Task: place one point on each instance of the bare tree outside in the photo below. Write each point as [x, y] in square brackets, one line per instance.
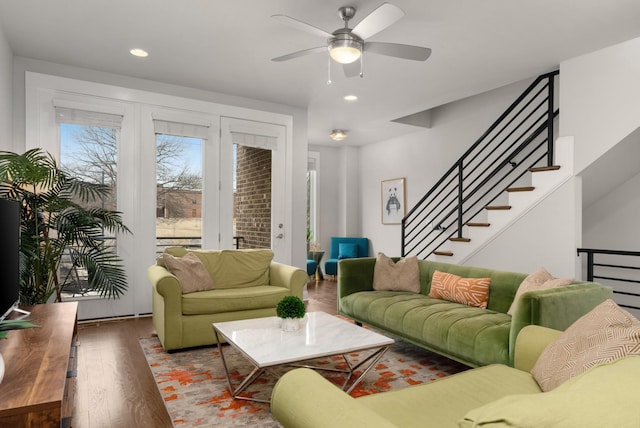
[92, 157]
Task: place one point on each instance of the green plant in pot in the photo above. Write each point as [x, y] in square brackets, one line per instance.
[291, 309]
[60, 218]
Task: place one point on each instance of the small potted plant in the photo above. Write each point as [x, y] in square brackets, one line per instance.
[291, 309]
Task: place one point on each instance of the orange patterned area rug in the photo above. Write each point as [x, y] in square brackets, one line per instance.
[194, 387]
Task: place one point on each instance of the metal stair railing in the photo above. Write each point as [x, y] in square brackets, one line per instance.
[619, 269]
[521, 138]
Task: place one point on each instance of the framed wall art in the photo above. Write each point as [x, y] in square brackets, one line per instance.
[393, 201]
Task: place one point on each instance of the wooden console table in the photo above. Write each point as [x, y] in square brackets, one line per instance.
[36, 360]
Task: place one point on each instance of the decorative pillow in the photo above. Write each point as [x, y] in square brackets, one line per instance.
[347, 251]
[538, 280]
[401, 276]
[190, 271]
[468, 291]
[605, 334]
[603, 397]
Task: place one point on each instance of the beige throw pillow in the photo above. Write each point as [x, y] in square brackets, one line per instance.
[538, 280]
[453, 288]
[190, 271]
[605, 334]
[401, 276]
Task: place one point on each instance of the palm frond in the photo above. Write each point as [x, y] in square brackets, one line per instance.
[54, 224]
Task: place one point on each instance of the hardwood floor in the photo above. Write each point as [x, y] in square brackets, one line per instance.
[115, 387]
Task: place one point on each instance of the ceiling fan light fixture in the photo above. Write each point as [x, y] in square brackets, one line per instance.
[338, 134]
[345, 50]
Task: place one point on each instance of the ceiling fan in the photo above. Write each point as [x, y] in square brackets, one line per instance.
[346, 45]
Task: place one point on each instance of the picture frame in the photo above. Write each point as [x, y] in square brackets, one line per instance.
[392, 200]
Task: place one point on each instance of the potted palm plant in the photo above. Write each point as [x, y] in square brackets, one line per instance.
[57, 220]
[291, 309]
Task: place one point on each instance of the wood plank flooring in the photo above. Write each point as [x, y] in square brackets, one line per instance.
[115, 387]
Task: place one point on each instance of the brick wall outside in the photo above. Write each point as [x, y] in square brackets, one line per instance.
[252, 200]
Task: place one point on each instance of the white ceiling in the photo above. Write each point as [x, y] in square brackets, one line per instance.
[226, 46]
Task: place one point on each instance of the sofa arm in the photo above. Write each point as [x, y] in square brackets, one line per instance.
[165, 283]
[166, 306]
[303, 398]
[287, 276]
[555, 308]
[530, 343]
[355, 275]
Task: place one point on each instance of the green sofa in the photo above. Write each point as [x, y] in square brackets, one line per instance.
[248, 284]
[473, 336]
[491, 396]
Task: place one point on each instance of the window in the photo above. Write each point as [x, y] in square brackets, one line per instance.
[89, 152]
[313, 236]
[179, 149]
[252, 202]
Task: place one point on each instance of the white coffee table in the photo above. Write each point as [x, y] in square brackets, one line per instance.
[265, 345]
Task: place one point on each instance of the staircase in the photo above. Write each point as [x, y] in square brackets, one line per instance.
[519, 200]
[508, 170]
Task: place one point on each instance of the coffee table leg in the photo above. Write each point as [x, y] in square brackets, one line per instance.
[374, 358]
[251, 377]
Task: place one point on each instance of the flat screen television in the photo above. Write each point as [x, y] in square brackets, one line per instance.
[9, 256]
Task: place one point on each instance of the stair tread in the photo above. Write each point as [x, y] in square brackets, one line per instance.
[443, 253]
[476, 224]
[520, 189]
[498, 207]
[544, 168]
[460, 239]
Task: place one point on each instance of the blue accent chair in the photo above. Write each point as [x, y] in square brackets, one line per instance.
[311, 267]
[345, 248]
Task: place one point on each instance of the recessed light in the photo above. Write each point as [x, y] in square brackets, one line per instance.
[338, 134]
[350, 97]
[139, 53]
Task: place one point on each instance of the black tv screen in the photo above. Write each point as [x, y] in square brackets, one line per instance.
[9, 256]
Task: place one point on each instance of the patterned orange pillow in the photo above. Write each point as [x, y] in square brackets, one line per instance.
[468, 291]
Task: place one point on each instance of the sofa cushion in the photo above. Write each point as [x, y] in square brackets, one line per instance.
[441, 403]
[468, 291]
[538, 280]
[233, 268]
[403, 275]
[479, 336]
[605, 396]
[190, 272]
[231, 300]
[347, 251]
[605, 334]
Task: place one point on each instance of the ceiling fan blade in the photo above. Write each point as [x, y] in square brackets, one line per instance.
[352, 69]
[415, 53]
[297, 54]
[303, 26]
[385, 15]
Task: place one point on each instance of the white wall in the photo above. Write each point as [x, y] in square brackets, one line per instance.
[349, 191]
[618, 209]
[6, 94]
[600, 105]
[297, 160]
[600, 99]
[422, 158]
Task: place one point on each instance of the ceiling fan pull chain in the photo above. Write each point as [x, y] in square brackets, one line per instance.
[361, 64]
[328, 70]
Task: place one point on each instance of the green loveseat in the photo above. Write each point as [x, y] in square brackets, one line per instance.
[473, 336]
[248, 284]
[491, 396]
